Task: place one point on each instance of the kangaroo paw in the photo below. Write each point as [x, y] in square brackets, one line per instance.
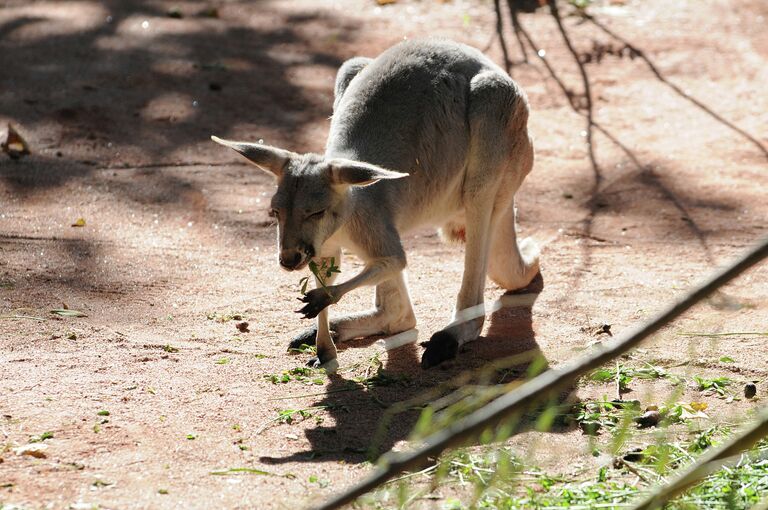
[316, 301]
[441, 347]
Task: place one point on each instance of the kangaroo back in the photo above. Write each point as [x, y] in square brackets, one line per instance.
[408, 111]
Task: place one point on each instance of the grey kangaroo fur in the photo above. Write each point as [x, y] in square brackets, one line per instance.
[429, 133]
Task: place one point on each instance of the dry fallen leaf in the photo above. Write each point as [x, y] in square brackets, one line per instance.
[66, 312]
[13, 144]
[79, 223]
[33, 450]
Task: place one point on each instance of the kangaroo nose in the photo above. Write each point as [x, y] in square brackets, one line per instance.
[289, 260]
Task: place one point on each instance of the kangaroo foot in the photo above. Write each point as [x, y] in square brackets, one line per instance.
[441, 347]
[330, 366]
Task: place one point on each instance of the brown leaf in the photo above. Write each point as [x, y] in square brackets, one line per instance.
[32, 450]
[13, 144]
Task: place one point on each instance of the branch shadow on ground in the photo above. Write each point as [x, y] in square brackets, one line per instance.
[583, 105]
[103, 93]
[232, 74]
[372, 415]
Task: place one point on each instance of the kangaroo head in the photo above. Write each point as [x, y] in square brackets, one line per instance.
[312, 198]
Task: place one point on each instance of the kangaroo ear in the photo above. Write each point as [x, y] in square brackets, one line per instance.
[357, 173]
[267, 158]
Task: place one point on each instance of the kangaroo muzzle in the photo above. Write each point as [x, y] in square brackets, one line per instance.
[295, 258]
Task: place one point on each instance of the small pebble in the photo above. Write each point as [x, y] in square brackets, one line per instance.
[242, 327]
[750, 390]
[635, 455]
[648, 419]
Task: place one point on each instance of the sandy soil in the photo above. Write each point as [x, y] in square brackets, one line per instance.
[117, 101]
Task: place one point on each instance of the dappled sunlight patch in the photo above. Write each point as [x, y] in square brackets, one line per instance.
[147, 25]
[170, 107]
[50, 19]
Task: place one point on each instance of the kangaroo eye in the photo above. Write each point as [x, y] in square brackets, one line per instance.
[316, 215]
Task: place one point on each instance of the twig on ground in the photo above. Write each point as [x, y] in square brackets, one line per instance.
[20, 317]
[715, 335]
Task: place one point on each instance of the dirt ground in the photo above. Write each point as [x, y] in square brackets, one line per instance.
[117, 101]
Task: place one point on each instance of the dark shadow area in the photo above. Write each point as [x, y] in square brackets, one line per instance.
[371, 415]
[75, 262]
[227, 74]
[105, 101]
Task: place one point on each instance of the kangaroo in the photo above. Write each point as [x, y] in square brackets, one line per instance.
[431, 133]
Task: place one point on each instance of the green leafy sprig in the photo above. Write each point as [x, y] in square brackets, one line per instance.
[321, 271]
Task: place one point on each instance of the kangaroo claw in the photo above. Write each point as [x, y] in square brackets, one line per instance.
[316, 301]
[329, 366]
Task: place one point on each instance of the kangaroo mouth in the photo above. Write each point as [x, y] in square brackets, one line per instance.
[305, 255]
[302, 264]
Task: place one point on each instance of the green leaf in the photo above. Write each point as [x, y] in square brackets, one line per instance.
[602, 375]
[42, 437]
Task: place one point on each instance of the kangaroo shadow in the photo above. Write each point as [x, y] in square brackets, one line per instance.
[370, 415]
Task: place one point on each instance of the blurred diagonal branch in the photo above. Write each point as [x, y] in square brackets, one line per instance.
[707, 464]
[546, 385]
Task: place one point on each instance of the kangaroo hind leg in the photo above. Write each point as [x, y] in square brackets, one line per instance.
[492, 105]
[512, 264]
[392, 313]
